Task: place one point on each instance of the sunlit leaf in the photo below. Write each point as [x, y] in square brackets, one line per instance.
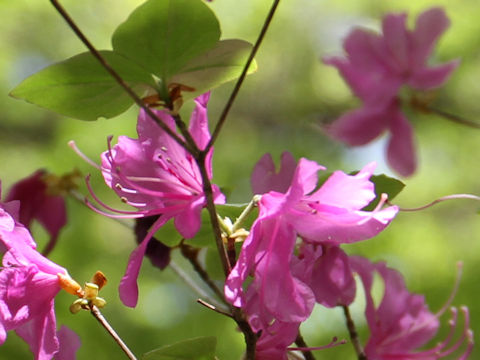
[201, 348]
[80, 87]
[164, 35]
[221, 64]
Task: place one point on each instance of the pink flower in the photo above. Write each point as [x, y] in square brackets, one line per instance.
[331, 215]
[402, 323]
[29, 283]
[159, 177]
[37, 203]
[376, 67]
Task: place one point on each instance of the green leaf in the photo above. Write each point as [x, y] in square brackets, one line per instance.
[80, 87]
[219, 65]
[384, 184]
[164, 35]
[201, 348]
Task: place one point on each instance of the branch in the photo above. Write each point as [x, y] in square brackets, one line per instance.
[353, 334]
[101, 319]
[302, 344]
[240, 80]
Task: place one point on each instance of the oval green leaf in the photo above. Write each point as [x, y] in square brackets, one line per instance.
[81, 88]
[164, 35]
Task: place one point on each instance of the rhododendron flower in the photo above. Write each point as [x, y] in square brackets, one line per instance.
[402, 322]
[159, 177]
[38, 203]
[331, 215]
[376, 67]
[29, 283]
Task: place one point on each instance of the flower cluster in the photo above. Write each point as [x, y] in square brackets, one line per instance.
[294, 258]
[29, 283]
[285, 286]
[376, 68]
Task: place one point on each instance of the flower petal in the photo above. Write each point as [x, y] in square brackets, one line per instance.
[69, 344]
[265, 178]
[401, 150]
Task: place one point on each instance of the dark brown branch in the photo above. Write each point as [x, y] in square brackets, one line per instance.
[353, 334]
[452, 117]
[240, 80]
[307, 354]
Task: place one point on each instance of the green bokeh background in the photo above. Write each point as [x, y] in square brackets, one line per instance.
[280, 108]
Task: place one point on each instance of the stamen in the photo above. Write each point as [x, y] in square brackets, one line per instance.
[72, 144]
[101, 203]
[439, 200]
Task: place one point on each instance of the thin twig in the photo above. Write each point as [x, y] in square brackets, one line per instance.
[452, 117]
[115, 75]
[353, 334]
[214, 308]
[191, 255]
[240, 80]
[300, 341]
[101, 319]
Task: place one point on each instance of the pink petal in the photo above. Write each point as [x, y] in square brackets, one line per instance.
[338, 226]
[427, 78]
[401, 150]
[347, 191]
[69, 344]
[199, 121]
[265, 178]
[41, 334]
[396, 39]
[429, 26]
[367, 69]
[359, 127]
[304, 180]
[188, 221]
[128, 288]
[332, 279]
[286, 298]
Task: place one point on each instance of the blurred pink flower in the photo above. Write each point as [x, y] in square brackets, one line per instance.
[376, 67]
[29, 283]
[37, 203]
[331, 215]
[402, 323]
[159, 177]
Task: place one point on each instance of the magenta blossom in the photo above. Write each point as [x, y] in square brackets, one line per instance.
[331, 215]
[159, 177]
[38, 203]
[376, 67]
[29, 283]
[402, 322]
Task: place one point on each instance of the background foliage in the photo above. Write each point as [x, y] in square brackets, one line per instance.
[280, 108]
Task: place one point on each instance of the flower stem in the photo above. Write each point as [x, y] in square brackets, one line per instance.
[353, 334]
[250, 207]
[240, 80]
[101, 319]
[115, 75]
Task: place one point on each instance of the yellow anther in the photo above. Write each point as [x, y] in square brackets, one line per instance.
[99, 302]
[78, 305]
[91, 291]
